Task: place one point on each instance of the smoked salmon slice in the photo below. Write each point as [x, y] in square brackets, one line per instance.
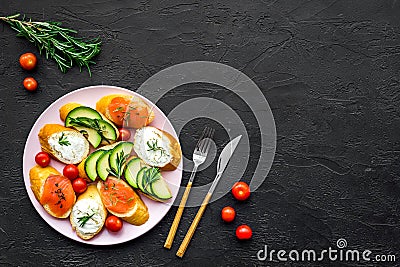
[122, 201]
[58, 196]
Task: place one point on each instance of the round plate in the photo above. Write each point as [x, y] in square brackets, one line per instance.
[88, 96]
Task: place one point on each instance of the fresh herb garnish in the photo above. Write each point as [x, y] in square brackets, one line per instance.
[153, 146]
[63, 141]
[57, 42]
[90, 123]
[151, 175]
[84, 219]
[121, 159]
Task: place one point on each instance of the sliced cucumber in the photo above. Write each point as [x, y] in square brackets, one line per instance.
[139, 179]
[160, 190]
[131, 171]
[121, 151]
[90, 164]
[83, 112]
[103, 165]
[108, 130]
[91, 135]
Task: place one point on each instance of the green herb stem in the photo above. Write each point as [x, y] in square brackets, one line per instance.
[57, 42]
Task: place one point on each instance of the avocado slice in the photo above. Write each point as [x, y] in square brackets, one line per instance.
[118, 157]
[83, 112]
[160, 190]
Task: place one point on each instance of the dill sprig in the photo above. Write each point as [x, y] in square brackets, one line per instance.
[85, 218]
[57, 42]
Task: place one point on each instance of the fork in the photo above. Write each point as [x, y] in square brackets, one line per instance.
[199, 156]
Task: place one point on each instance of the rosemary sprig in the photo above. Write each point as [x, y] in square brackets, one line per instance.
[153, 146]
[63, 141]
[83, 220]
[57, 42]
[151, 175]
[121, 159]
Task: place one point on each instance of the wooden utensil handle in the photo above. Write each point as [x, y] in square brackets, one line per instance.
[193, 227]
[178, 215]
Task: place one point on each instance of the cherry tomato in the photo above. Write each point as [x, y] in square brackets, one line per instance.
[124, 134]
[28, 61]
[243, 232]
[228, 214]
[42, 159]
[71, 171]
[79, 185]
[30, 84]
[241, 191]
[113, 223]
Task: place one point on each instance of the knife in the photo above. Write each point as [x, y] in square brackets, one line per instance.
[223, 160]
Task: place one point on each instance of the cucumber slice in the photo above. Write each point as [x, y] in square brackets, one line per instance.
[108, 130]
[131, 171]
[103, 165]
[160, 190]
[139, 179]
[90, 164]
[123, 149]
[91, 135]
[81, 111]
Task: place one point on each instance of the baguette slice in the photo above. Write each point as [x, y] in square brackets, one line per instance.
[122, 201]
[53, 191]
[63, 144]
[88, 204]
[157, 148]
[133, 103]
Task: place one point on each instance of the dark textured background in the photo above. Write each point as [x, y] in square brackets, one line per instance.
[330, 71]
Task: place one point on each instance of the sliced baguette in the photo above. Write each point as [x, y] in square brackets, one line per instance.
[161, 140]
[74, 149]
[102, 106]
[44, 182]
[136, 214]
[87, 203]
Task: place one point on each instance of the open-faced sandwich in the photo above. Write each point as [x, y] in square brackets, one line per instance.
[157, 148]
[125, 110]
[88, 214]
[64, 144]
[53, 191]
[122, 201]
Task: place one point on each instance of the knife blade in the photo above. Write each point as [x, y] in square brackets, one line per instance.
[223, 160]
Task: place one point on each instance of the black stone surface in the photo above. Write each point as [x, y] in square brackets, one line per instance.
[330, 72]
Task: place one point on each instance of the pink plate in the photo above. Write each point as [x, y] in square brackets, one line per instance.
[88, 96]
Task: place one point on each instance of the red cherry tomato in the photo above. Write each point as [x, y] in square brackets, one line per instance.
[243, 232]
[241, 191]
[124, 134]
[71, 171]
[28, 61]
[30, 84]
[42, 159]
[113, 223]
[228, 214]
[79, 185]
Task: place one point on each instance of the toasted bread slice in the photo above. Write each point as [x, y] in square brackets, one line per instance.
[53, 191]
[122, 201]
[64, 144]
[103, 104]
[64, 110]
[88, 214]
[38, 176]
[157, 148]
